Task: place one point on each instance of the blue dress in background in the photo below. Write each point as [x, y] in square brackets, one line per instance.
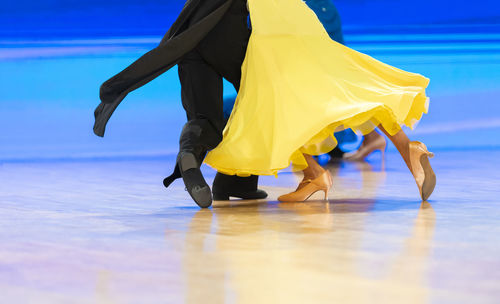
[329, 16]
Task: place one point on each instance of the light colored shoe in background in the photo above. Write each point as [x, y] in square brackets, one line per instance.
[371, 143]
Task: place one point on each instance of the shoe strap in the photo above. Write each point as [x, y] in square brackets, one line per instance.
[307, 181]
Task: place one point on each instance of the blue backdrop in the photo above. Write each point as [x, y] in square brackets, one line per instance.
[46, 114]
[151, 17]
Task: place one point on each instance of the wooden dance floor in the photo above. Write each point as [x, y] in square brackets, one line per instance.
[103, 231]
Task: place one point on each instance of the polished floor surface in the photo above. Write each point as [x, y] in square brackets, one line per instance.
[107, 232]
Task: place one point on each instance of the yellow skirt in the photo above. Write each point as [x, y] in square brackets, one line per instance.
[298, 86]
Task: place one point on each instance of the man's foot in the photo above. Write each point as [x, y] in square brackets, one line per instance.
[226, 186]
[196, 185]
[336, 153]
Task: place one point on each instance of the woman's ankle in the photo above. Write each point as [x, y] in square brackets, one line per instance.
[313, 170]
[311, 174]
[316, 172]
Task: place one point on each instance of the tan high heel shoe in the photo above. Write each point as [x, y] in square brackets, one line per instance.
[378, 144]
[421, 169]
[307, 188]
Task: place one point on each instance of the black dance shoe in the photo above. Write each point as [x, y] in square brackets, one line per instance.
[196, 185]
[226, 186]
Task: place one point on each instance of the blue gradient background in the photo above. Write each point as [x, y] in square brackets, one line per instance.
[55, 54]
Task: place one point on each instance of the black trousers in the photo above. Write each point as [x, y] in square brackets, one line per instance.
[219, 55]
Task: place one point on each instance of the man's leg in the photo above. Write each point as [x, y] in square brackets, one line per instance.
[226, 186]
[223, 50]
[202, 100]
[229, 65]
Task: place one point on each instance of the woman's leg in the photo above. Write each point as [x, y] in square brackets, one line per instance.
[316, 179]
[371, 137]
[416, 157]
[313, 170]
[402, 143]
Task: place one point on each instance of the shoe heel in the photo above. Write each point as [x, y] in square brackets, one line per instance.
[187, 161]
[311, 191]
[423, 149]
[316, 196]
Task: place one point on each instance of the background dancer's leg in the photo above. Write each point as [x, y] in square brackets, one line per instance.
[372, 142]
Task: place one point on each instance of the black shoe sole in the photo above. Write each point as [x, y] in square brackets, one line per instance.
[258, 194]
[195, 184]
[430, 178]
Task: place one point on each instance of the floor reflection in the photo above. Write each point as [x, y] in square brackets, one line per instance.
[105, 236]
[309, 252]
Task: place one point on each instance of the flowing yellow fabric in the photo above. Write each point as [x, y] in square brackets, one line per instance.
[299, 86]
